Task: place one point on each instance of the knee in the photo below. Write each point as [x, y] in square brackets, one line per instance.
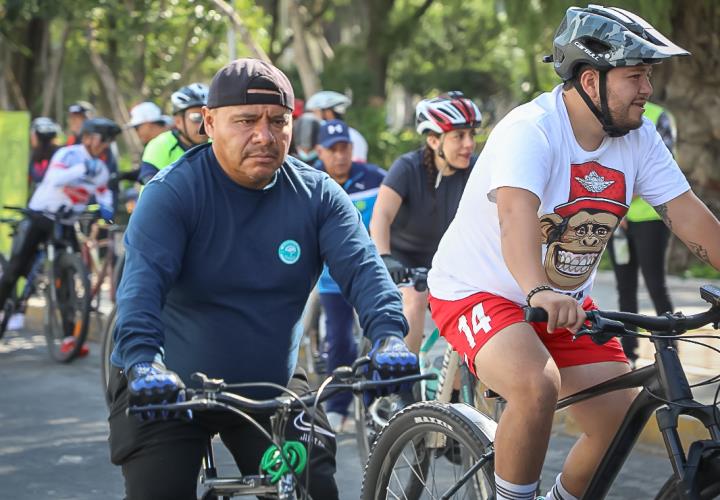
[536, 392]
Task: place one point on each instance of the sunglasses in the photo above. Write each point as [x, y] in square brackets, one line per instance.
[195, 117]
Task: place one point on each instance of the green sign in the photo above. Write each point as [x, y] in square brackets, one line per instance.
[15, 147]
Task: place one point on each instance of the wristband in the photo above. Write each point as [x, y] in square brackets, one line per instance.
[537, 289]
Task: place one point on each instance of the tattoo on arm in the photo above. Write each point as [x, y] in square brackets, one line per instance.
[662, 210]
[699, 251]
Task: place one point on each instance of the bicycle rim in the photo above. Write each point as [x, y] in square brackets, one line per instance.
[67, 311]
[425, 452]
[9, 307]
[107, 347]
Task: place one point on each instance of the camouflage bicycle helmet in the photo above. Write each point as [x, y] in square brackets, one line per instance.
[445, 113]
[190, 96]
[626, 40]
[606, 38]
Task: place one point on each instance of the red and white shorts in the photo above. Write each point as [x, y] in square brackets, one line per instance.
[467, 324]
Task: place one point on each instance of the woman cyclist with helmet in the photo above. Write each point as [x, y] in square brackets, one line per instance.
[43, 137]
[420, 195]
[169, 146]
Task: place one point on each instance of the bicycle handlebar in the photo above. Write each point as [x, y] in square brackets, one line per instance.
[613, 321]
[415, 277]
[211, 396]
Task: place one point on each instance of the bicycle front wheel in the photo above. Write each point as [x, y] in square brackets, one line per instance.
[67, 311]
[428, 450]
[107, 347]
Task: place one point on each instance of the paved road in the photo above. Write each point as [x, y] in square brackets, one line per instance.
[53, 432]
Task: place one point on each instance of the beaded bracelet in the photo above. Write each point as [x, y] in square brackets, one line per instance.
[537, 289]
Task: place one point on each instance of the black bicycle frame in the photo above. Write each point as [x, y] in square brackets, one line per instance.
[663, 379]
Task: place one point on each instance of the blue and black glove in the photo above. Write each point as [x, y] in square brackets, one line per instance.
[153, 383]
[107, 214]
[390, 358]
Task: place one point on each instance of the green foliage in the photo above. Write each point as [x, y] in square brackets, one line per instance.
[702, 271]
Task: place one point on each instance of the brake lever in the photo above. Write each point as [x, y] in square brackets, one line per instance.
[208, 384]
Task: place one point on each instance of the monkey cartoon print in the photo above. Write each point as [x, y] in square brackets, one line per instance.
[577, 232]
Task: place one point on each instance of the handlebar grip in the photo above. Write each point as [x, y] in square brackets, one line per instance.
[535, 315]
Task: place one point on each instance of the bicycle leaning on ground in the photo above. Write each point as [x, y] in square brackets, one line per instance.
[280, 471]
[410, 457]
[59, 273]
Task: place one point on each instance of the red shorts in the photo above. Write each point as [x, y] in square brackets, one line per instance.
[467, 324]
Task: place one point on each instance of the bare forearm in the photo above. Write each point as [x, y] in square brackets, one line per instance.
[692, 222]
[380, 233]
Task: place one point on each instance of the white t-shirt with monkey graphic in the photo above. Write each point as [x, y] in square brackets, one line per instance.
[584, 195]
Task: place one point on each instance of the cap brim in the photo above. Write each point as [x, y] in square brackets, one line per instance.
[331, 142]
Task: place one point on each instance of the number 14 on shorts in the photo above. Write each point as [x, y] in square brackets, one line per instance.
[479, 321]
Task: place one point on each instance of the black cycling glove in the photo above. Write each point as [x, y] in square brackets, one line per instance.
[152, 383]
[395, 268]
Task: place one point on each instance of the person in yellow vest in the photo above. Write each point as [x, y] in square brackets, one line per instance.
[641, 242]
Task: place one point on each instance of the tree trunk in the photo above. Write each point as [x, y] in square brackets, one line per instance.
[691, 94]
[53, 77]
[308, 75]
[117, 103]
[378, 44]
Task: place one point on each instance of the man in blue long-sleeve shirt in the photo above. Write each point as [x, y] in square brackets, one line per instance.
[222, 251]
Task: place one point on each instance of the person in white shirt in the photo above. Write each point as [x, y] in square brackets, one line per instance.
[74, 176]
[552, 183]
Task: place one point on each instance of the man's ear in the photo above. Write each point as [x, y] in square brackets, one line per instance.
[590, 81]
[548, 225]
[208, 121]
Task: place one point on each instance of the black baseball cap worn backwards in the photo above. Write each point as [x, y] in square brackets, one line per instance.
[249, 81]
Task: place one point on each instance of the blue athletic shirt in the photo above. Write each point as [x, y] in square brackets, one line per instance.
[362, 187]
[216, 274]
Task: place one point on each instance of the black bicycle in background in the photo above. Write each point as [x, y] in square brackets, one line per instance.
[280, 471]
[60, 275]
[410, 458]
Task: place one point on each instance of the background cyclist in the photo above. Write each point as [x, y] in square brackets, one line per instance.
[76, 173]
[187, 103]
[361, 182]
[43, 145]
[218, 282]
[552, 183]
[331, 105]
[420, 195]
[148, 121]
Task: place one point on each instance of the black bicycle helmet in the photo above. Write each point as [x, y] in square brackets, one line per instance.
[606, 38]
[107, 128]
[190, 96]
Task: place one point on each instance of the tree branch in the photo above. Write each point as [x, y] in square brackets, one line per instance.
[228, 10]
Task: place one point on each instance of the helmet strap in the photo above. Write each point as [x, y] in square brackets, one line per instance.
[441, 154]
[602, 114]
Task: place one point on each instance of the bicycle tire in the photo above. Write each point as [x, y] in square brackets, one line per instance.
[415, 426]
[68, 313]
[108, 344]
[669, 490]
[9, 306]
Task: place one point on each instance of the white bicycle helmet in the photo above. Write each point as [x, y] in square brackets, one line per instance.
[328, 99]
[43, 125]
[447, 112]
[190, 96]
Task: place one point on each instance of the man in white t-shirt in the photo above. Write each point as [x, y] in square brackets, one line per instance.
[553, 181]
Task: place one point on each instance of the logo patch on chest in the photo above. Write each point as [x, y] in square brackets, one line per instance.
[289, 251]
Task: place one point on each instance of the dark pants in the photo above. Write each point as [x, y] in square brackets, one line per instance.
[341, 346]
[31, 232]
[161, 459]
[648, 242]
